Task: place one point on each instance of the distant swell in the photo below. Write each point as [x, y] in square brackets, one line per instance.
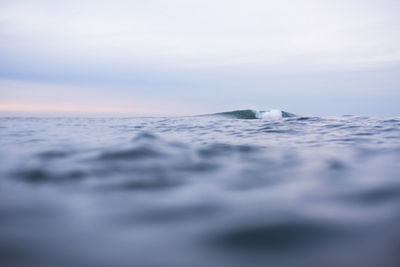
[249, 114]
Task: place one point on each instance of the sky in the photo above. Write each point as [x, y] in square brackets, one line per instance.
[177, 57]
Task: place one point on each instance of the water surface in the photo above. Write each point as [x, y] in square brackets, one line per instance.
[218, 190]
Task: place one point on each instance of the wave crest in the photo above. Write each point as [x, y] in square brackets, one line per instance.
[249, 114]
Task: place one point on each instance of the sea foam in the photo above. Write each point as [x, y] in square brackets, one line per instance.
[273, 114]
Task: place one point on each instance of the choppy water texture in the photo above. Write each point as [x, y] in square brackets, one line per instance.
[200, 191]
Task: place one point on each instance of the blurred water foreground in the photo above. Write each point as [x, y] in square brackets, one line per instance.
[218, 190]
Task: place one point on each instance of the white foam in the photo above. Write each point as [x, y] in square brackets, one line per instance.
[273, 114]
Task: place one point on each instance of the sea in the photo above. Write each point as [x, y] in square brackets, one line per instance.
[242, 188]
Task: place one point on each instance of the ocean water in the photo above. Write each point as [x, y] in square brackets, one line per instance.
[240, 188]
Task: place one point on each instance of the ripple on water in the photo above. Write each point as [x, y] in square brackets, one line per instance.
[281, 236]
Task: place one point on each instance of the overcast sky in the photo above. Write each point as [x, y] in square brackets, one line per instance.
[322, 57]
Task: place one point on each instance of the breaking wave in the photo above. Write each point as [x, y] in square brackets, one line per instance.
[249, 114]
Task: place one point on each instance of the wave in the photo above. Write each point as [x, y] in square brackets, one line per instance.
[249, 114]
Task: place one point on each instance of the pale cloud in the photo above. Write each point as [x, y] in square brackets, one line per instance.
[204, 33]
